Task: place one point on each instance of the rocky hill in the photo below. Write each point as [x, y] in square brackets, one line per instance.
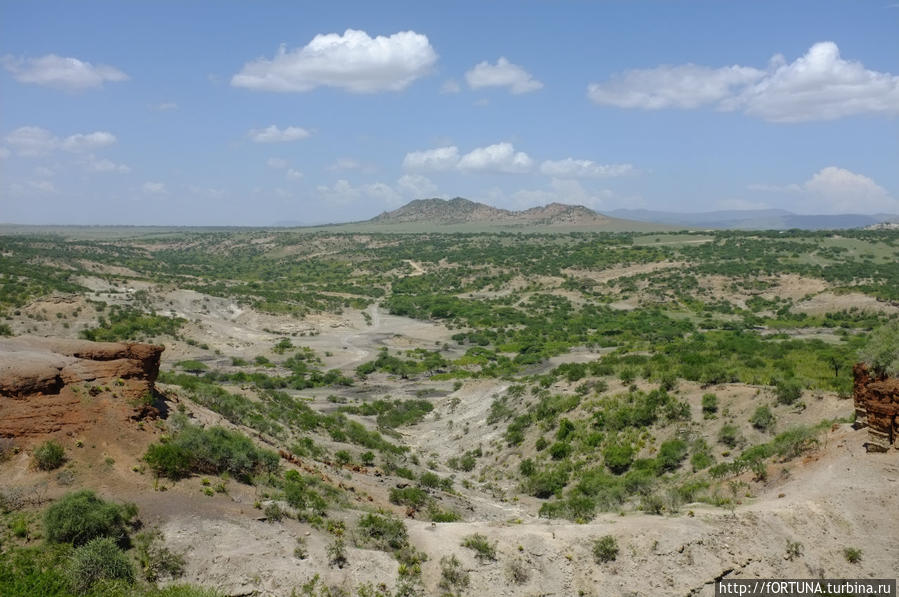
[463, 211]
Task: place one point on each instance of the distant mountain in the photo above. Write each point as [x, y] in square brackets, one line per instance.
[756, 219]
[463, 211]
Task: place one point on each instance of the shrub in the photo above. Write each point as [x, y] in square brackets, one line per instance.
[618, 457]
[729, 435]
[82, 516]
[337, 553]
[788, 391]
[453, 577]
[429, 479]
[547, 482]
[481, 546]
[155, 559]
[211, 451]
[853, 555]
[383, 532]
[671, 454]
[518, 572]
[605, 549]
[762, 419]
[709, 405]
[526, 467]
[343, 457]
[49, 455]
[273, 513]
[408, 496]
[99, 560]
[794, 549]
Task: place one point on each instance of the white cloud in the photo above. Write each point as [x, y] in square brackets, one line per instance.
[60, 72]
[682, 86]
[500, 157]
[341, 192]
[293, 174]
[417, 186]
[164, 107]
[819, 85]
[572, 168]
[839, 190]
[502, 74]
[383, 192]
[154, 188]
[450, 86]
[567, 191]
[273, 134]
[836, 190]
[33, 141]
[105, 165]
[353, 61]
[277, 163]
[86, 142]
[439, 159]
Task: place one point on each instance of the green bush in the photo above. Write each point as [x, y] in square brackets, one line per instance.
[408, 496]
[49, 456]
[82, 516]
[605, 549]
[618, 457]
[671, 454]
[729, 435]
[709, 405]
[788, 391]
[213, 450]
[99, 560]
[762, 419]
[383, 532]
[481, 546]
[454, 578]
[853, 555]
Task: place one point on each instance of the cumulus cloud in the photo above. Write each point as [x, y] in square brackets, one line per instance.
[439, 159]
[293, 174]
[277, 163]
[837, 190]
[500, 157]
[154, 188]
[354, 62]
[572, 168]
[273, 134]
[69, 74]
[417, 186]
[820, 85]
[502, 74]
[558, 190]
[31, 141]
[682, 86]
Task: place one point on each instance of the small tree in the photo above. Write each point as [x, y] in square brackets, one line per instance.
[605, 549]
[49, 455]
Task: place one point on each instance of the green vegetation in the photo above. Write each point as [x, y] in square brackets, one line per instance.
[882, 351]
[49, 455]
[605, 549]
[99, 560]
[194, 450]
[79, 517]
[853, 555]
[483, 549]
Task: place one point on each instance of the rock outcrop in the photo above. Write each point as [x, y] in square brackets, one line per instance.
[877, 408]
[55, 384]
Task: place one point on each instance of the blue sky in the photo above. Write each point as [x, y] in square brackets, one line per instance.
[188, 113]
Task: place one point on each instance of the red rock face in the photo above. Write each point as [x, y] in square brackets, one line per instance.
[53, 384]
[877, 408]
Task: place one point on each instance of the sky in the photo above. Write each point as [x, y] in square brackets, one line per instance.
[259, 113]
